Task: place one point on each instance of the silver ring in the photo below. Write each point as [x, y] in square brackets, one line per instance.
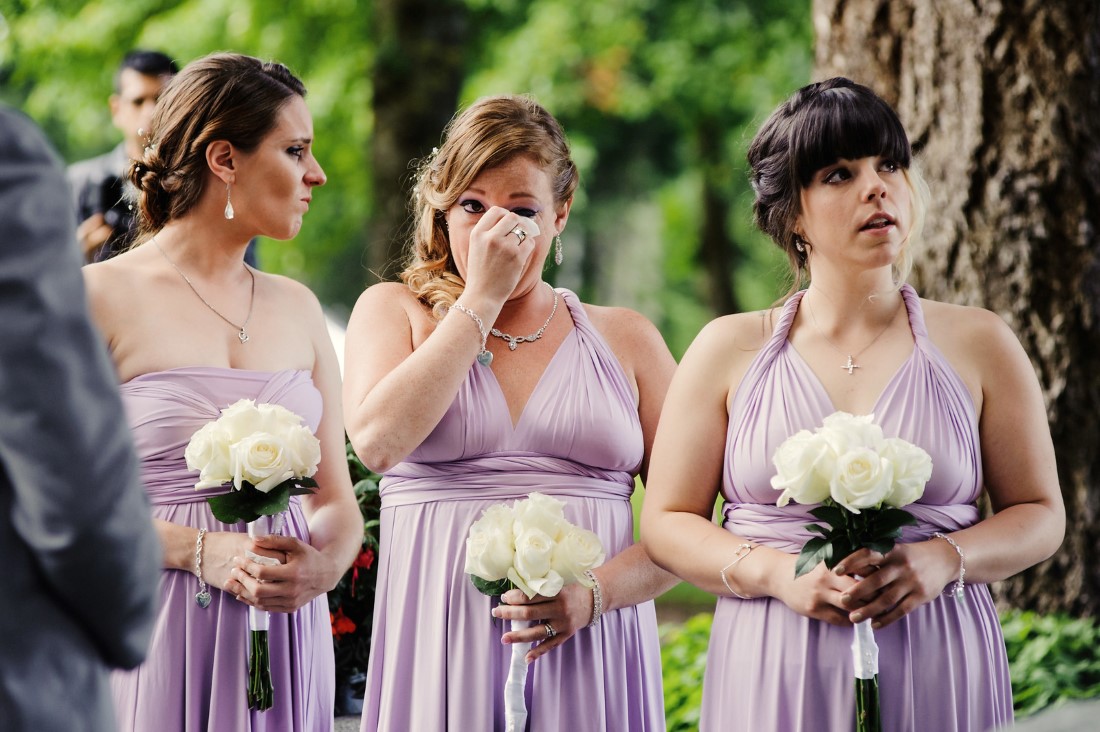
[550, 632]
[520, 234]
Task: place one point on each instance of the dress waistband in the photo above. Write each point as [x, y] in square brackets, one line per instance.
[500, 478]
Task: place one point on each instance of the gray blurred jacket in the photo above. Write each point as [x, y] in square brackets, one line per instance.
[79, 557]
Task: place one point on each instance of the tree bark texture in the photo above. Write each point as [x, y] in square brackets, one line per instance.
[1002, 100]
[417, 76]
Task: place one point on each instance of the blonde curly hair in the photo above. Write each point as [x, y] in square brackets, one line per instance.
[490, 132]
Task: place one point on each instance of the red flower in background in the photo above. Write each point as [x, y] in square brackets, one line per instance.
[364, 561]
[341, 624]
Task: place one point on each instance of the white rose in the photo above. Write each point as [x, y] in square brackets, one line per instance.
[277, 419]
[489, 547]
[208, 453]
[539, 511]
[304, 449]
[847, 431]
[579, 549]
[262, 460]
[241, 419]
[912, 469]
[803, 463]
[862, 479]
[531, 571]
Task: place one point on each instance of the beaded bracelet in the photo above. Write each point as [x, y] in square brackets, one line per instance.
[597, 598]
[958, 590]
[743, 551]
[202, 597]
[484, 356]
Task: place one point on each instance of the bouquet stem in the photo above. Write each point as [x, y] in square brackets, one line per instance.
[515, 707]
[865, 658]
[261, 693]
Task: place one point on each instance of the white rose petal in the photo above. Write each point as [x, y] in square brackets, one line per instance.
[863, 479]
[846, 432]
[240, 419]
[208, 452]
[489, 547]
[539, 511]
[578, 550]
[262, 460]
[304, 449]
[804, 464]
[532, 572]
[912, 469]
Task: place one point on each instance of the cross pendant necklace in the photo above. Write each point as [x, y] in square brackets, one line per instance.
[851, 364]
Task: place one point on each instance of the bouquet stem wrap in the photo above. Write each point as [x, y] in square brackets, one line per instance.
[515, 707]
[261, 694]
[865, 658]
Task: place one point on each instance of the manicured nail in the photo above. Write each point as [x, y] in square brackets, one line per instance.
[839, 569]
[876, 625]
[845, 599]
[857, 617]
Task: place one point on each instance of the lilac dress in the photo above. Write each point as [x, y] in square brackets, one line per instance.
[437, 662]
[943, 666]
[196, 675]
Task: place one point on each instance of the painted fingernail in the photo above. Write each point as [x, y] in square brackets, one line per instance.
[496, 612]
[876, 625]
[839, 569]
[845, 599]
[857, 617]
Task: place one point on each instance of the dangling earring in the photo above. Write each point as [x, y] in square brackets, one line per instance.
[558, 257]
[799, 244]
[229, 213]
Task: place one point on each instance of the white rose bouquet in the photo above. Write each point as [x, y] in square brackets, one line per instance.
[268, 455]
[862, 479]
[531, 546]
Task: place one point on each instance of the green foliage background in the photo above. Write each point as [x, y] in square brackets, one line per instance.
[659, 100]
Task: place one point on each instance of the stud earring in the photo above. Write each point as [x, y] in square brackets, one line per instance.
[229, 212]
[558, 256]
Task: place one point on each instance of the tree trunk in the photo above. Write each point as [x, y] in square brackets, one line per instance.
[1004, 104]
[417, 76]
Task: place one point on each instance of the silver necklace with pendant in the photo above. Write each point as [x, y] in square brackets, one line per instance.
[242, 334]
[851, 364]
[514, 341]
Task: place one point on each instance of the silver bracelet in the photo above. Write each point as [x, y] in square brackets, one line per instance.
[484, 356]
[597, 598]
[743, 551]
[202, 597]
[959, 588]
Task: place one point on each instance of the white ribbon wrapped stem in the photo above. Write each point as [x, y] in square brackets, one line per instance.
[263, 526]
[515, 707]
[864, 651]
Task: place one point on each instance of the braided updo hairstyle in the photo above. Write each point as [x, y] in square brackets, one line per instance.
[223, 96]
[819, 124]
[487, 134]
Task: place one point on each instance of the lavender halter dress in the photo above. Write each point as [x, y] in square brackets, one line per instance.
[437, 662]
[942, 667]
[196, 675]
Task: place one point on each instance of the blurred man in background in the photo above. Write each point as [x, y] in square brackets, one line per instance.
[104, 197]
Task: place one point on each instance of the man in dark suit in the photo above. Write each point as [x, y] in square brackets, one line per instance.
[79, 558]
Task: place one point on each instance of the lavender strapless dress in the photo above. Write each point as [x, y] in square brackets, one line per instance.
[942, 667]
[437, 662]
[196, 675]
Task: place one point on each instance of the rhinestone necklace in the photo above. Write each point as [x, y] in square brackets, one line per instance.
[851, 365]
[514, 341]
[242, 335]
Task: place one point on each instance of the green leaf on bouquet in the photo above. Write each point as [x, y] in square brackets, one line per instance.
[819, 529]
[303, 486]
[494, 588]
[232, 507]
[831, 515]
[813, 553]
[880, 545]
[888, 522]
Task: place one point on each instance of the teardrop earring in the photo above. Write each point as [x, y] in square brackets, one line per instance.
[558, 256]
[229, 212]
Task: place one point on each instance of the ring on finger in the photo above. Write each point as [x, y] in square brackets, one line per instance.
[520, 234]
[550, 632]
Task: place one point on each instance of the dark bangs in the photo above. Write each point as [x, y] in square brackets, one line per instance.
[842, 121]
